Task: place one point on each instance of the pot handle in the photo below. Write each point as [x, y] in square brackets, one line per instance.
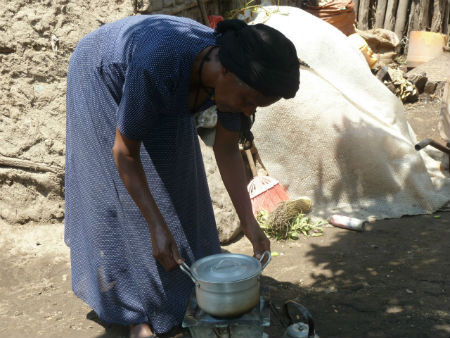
[269, 257]
[185, 268]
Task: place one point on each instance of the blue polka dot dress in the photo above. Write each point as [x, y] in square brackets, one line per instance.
[134, 74]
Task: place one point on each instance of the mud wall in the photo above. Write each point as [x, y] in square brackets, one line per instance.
[36, 41]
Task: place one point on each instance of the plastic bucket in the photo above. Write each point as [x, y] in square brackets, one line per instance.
[424, 46]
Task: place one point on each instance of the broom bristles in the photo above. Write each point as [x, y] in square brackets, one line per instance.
[285, 212]
[269, 198]
[260, 184]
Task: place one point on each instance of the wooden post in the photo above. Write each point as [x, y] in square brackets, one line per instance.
[355, 8]
[424, 11]
[389, 21]
[438, 15]
[363, 17]
[201, 6]
[400, 22]
[445, 24]
[380, 13]
[29, 165]
[414, 22]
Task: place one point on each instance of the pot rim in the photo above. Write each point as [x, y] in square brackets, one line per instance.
[247, 264]
[248, 261]
[227, 282]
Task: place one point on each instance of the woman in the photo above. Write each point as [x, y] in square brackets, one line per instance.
[137, 200]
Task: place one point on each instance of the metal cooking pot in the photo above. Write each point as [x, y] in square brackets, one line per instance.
[227, 285]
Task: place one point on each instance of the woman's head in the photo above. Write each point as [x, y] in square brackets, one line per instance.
[234, 96]
[260, 65]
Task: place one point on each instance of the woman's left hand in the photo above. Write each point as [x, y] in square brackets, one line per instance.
[257, 237]
[231, 167]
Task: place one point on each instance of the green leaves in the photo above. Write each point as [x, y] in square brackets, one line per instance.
[299, 226]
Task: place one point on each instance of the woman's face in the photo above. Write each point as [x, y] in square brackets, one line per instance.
[234, 96]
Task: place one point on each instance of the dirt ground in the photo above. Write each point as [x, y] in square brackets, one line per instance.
[393, 280]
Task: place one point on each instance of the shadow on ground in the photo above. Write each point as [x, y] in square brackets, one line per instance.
[390, 281]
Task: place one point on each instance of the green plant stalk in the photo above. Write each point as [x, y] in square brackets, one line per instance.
[299, 225]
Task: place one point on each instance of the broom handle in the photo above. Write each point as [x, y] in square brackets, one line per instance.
[202, 8]
[251, 162]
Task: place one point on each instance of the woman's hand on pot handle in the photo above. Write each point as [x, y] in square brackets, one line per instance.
[258, 238]
[165, 249]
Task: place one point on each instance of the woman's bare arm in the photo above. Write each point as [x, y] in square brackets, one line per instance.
[126, 153]
[231, 167]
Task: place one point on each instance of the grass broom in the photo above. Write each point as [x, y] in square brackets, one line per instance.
[265, 192]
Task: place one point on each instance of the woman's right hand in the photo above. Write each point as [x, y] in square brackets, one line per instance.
[126, 154]
[165, 249]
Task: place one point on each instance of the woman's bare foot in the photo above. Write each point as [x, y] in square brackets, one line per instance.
[140, 331]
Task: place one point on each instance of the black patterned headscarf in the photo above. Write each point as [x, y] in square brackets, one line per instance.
[260, 56]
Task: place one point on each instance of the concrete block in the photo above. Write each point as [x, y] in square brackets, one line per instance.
[383, 74]
[430, 87]
[439, 91]
[419, 80]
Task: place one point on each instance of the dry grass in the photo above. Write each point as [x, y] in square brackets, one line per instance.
[288, 221]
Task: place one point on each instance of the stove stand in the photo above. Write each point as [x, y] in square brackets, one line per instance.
[249, 325]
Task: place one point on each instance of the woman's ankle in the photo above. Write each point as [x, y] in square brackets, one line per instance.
[140, 331]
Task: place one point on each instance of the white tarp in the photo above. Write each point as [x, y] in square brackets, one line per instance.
[343, 140]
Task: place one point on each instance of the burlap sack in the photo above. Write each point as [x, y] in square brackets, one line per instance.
[338, 13]
[344, 140]
[384, 43]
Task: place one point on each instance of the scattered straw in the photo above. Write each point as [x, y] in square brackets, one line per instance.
[246, 13]
[288, 221]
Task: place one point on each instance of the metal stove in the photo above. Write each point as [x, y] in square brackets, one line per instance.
[249, 325]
